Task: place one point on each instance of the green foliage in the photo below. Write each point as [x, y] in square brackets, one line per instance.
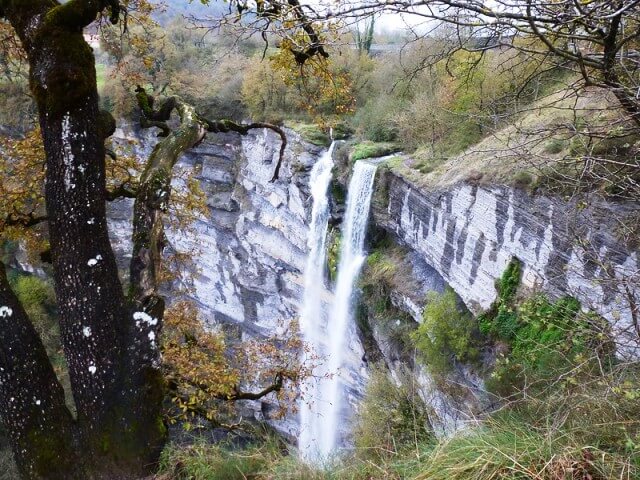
[544, 338]
[386, 272]
[501, 317]
[333, 254]
[426, 160]
[203, 461]
[446, 333]
[380, 272]
[374, 119]
[509, 282]
[392, 419]
[522, 179]
[371, 150]
[341, 130]
[172, 59]
[338, 192]
[101, 72]
[365, 38]
[555, 145]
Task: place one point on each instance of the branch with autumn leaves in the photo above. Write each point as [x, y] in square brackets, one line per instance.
[203, 372]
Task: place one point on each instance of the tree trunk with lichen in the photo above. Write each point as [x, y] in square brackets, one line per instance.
[153, 197]
[109, 345]
[110, 341]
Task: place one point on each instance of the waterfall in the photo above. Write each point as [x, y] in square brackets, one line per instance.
[312, 318]
[323, 393]
[351, 258]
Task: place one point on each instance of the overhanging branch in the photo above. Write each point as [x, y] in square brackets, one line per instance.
[151, 117]
[121, 191]
[243, 129]
[275, 386]
[238, 394]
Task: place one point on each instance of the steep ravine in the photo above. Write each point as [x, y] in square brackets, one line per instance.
[251, 249]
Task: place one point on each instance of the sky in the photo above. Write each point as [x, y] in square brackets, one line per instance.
[386, 22]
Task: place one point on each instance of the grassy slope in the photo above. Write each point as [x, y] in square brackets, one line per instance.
[536, 140]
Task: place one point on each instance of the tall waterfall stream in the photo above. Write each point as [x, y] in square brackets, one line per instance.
[325, 327]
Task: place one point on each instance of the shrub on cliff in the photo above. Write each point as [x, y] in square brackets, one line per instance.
[543, 339]
[446, 334]
[392, 418]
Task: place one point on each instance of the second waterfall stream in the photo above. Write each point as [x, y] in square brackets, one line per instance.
[325, 320]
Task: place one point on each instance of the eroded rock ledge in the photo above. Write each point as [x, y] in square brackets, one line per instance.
[469, 233]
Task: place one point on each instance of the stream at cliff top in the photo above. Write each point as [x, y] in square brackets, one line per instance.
[323, 392]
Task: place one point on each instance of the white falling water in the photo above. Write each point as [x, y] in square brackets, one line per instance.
[319, 437]
[312, 318]
[351, 258]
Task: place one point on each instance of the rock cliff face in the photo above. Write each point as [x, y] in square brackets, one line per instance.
[250, 252]
[470, 233]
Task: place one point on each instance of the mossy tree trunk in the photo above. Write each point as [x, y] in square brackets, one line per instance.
[154, 189]
[110, 341]
[110, 347]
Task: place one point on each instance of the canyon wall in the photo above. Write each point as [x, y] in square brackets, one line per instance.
[249, 255]
[469, 233]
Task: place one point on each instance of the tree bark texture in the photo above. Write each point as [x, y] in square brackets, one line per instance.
[111, 348]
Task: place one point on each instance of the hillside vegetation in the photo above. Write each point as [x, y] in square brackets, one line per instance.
[563, 404]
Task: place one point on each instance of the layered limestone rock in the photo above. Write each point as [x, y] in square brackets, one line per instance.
[247, 255]
[469, 233]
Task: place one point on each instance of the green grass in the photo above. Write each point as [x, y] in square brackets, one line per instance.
[311, 133]
[372, 150]
[508, 447]
[203, 461]
[394, 161]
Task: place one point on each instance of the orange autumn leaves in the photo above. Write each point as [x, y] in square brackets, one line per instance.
[205, 373]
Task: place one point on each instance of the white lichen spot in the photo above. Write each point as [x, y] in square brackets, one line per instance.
[94, 261]
[91, 221]
[92, 369]
[38, 402]
[152, 336]
[86, 331]
[5, 311]
[144, 317]
[67, 152]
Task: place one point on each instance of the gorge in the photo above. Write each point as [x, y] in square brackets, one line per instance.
[264, 263]
[255, 247]
[273, 240]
